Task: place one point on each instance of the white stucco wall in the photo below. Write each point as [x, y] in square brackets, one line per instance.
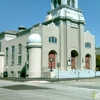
[88, 37]
[1, 63]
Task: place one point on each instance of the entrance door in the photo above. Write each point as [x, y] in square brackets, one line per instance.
[74, 55]
[52, 59]
[87, 61]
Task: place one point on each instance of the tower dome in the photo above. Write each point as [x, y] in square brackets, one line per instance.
[34, 38]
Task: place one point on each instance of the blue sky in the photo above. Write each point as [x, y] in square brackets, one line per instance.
[15, 13]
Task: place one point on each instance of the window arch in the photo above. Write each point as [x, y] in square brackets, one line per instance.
[52, 39]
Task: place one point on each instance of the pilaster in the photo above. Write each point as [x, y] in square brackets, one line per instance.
[62, 45]
[81, 47]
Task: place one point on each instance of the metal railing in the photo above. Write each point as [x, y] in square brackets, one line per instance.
[76, 70]
[94, 72]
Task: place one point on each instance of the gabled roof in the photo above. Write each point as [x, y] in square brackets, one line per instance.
[12, 32]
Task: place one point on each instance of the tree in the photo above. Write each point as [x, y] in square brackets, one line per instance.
[97, 62]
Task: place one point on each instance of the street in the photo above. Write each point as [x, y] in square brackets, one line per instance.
[45, 90]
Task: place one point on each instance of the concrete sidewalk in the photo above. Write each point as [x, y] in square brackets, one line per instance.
[15, 79]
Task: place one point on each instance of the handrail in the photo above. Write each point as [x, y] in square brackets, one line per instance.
[77, 71]
[94, 72]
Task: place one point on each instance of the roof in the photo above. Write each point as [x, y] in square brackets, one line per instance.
[9, 32]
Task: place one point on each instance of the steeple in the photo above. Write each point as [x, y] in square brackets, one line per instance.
[65, 10]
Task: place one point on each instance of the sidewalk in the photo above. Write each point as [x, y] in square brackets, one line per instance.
[15, 79]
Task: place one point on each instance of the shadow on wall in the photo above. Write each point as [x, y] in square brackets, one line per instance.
[23, 71]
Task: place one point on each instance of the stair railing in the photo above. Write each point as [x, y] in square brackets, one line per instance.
[94, 72]
[76, 70]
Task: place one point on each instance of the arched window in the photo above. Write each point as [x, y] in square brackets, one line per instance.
[68, 2]
[59, 2]
[13, 54]
[73, 3]
[20, 54]
[0, 46]
[52, 39]
[55, 3]
[7, 56]
[87, 45]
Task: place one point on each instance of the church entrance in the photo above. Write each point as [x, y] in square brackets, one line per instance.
[52, 59]
[74, 55]
[87, 61]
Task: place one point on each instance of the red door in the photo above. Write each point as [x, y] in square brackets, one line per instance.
[73, 62]
[87, 62]
[51, 63]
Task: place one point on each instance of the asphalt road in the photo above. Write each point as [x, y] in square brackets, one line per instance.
[82, 89]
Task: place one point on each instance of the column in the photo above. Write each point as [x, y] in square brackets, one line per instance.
[1, 64]
[76, 4]
[68, 47]
[34, 70]
[81, 47]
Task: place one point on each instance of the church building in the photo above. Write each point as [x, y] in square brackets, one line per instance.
[59, 42]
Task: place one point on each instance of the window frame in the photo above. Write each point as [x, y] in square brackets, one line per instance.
[19, 54]
[13, 55]
[87, 45]
[7, 52]
[52, 39]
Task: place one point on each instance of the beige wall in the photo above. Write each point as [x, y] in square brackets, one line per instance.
[48, 31]
[88, 37]
[1, 63]
[69, 37]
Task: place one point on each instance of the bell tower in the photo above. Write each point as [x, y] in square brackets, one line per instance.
[57, 3]
[70, 21]
[65, 10]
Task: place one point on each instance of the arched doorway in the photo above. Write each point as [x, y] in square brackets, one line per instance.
[74, 55]
[52, 59]
[87, 61]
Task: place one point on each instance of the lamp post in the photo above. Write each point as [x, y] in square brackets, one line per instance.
[58, 65]
[82, 60]
[51, 59]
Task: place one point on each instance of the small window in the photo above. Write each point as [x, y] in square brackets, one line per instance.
[19, 73]
[49, 39]
[12, 73]
[88, 45]
[13, 55]
[68, 2]
[20, 48]
[52, 39]
[27, 56]
[73, 3]
[20, 54]
[55, 40]
[19, 60]
[59, 2]
[55, 3]
[7, 56]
